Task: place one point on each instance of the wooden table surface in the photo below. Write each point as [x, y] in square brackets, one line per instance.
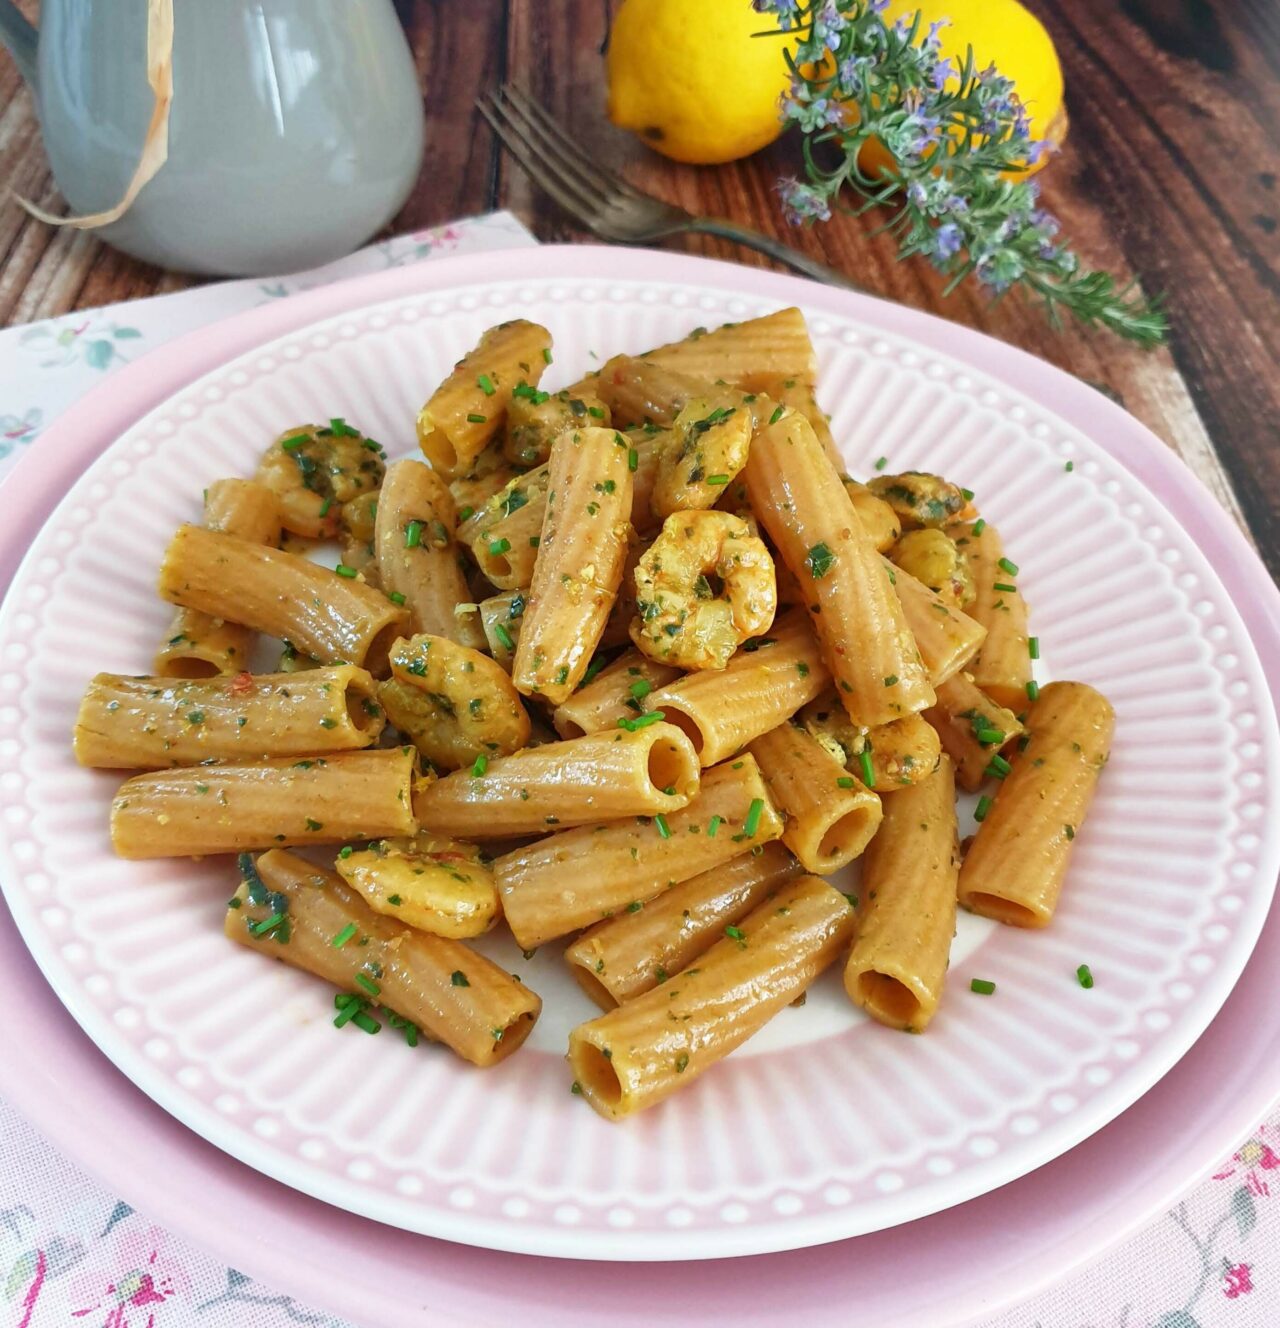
[1169, 176]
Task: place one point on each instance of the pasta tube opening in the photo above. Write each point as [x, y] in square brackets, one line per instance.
[887, 999]
[672, 765]
[594, 988]
[1009, 912]
[189, 667]
[853, 828]
[687, 725]
[593, 1069]
[363, 711]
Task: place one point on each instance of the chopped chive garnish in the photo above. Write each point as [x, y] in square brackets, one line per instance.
[546, 354]
[663, 828]
[868, 774]
[345, 851]
[485, 384]
[718, 480]
[499, 546]
[777, 415]
[366, 1022]
[983, 807]
[641, 688]
[1084, 976]
[395, 597]
[325, 506]
[1033, 647]
[754, 812]
[845, 781]
[891, 680]
[968, 495]
[458, 978]
[1070, 832]
[979, 526]
[734, 933]
[881, 462]
[592, 669]
[1006, 587]
[343, 570]
[265, 925]
[988, 736]
[1008, 565]
[368, 984]
[341, 938]
[713, 825]
[642, 721]
[348, 1010]
[480, 765]
[413, 534]
[1069, 467]
[473, 418]
[982, 987]
[818, 560]
[297, 441]
[504, 637]
[998, 767]
[1033, 690]
[633, 459]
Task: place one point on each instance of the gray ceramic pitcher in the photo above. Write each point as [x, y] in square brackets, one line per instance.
[296, 129]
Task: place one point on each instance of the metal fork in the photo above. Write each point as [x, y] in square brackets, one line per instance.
[603, 201]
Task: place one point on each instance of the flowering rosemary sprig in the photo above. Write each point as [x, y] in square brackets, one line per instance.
[953, 135]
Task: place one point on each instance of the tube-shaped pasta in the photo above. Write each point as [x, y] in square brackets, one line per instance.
[616, 692]
[798, 395]
[798, 497]
[447, 990]
[640, 1053]
[972, 728]
[946, 638]
[331, 618]
[149, 723]
[226, 808]
[776, 345]
[1002, 667]
[546, 893]
[762, 686]
[417, 556]
[644, 454]
[502, 617]
[580, 561]
[601, 776]
[830, 816]
[505, 533]
[429, 882]
[639, 392]
[627, 955]
[1014, 868]
[470, 406]
[907, 906]
[198, 645]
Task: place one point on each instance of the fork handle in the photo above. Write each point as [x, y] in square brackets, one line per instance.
[775, 249]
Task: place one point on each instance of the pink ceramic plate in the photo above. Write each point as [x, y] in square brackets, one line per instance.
[1157, 466]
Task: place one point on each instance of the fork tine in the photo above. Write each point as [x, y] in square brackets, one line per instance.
[542, 119]
[572, 168]
[529, 158]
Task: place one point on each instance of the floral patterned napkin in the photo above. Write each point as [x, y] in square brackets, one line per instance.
[73, 1254]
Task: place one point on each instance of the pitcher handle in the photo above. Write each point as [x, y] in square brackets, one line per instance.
[20, 38]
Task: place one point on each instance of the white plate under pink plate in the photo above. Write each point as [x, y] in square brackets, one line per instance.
[826, 1125]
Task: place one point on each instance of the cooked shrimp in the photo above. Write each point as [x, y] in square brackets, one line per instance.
[708, 447]
[534, 418]
[703, 587]
[931, 556]
[357, 527]
[454, 704]
[920, 499]
[313, 471]
[878, 519]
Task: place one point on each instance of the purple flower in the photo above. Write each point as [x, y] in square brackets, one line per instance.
[878, 6]
[802, 202]
[947, 242]
[917, 193]
[942, 71]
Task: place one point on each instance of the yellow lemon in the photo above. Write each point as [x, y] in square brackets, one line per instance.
[1002, 33]
[690, 78]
